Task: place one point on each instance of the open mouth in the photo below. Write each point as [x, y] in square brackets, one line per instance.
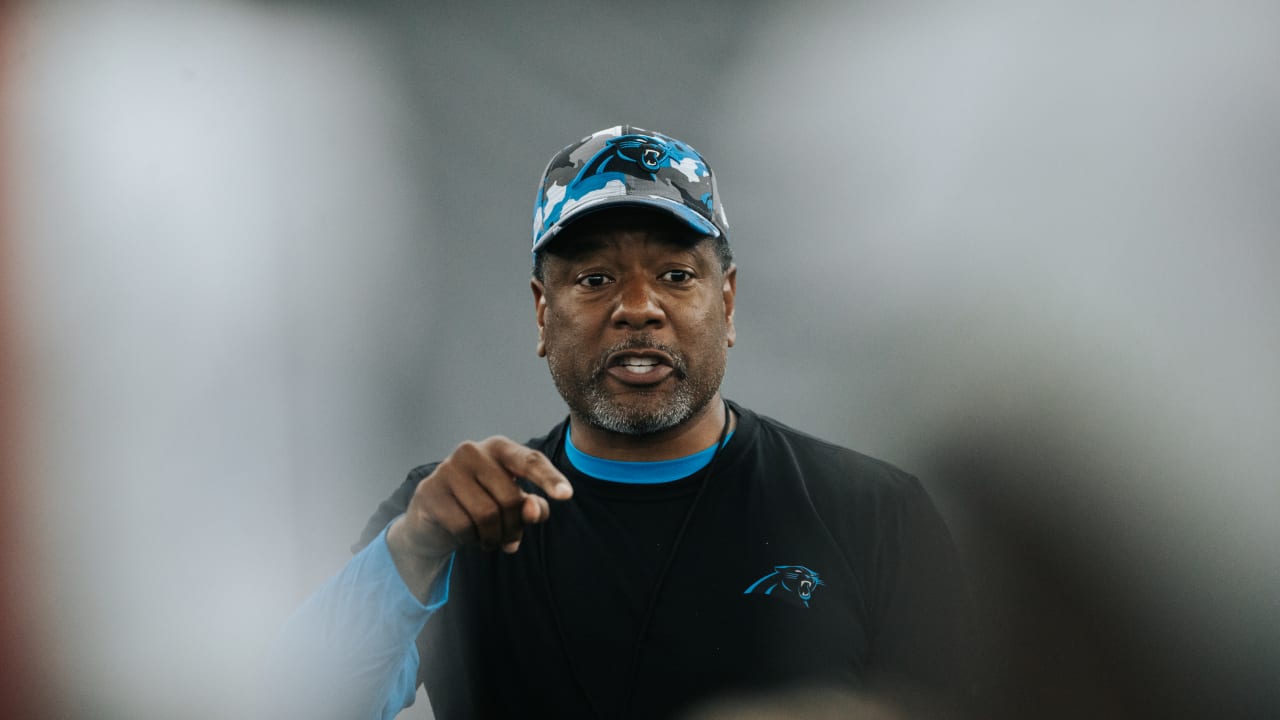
[806, 589]
[640, 366]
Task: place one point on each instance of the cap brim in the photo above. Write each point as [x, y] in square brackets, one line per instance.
[695, 221]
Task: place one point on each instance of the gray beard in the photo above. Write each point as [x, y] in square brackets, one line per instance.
[597, 407]
[600, 409]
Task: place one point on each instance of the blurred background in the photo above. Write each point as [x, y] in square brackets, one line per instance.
[261, 258]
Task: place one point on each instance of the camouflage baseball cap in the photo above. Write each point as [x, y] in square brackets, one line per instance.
[627, 165]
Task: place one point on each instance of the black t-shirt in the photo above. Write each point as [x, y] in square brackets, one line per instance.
[622, 535]
[803, 564]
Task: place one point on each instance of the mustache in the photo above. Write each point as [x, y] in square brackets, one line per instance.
[641, 342]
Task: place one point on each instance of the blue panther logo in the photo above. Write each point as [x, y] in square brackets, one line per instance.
[797, 580]
[645, 151]
[648, 152]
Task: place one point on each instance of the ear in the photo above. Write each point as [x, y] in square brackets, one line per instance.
[540, 310]
[730, 291]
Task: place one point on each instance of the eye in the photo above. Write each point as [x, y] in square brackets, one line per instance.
[593, 280]
[677, 276]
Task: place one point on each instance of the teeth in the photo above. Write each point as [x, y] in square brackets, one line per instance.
[639, 365]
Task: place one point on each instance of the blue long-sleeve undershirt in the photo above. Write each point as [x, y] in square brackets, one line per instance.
[350, 651]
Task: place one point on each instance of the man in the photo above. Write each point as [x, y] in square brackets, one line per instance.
[661, 547]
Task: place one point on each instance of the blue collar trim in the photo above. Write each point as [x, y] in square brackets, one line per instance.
[633, 472]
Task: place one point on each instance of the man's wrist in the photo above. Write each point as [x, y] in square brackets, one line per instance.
[417, 569]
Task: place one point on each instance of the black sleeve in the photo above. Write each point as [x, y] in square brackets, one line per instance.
[392, 507]
[922, 644]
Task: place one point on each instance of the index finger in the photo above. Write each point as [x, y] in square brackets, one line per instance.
[531, 465]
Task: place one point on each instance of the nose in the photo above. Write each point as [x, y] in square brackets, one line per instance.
[637, 306]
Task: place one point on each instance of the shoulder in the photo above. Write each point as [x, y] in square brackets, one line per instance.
[859, 497]
[827, 463]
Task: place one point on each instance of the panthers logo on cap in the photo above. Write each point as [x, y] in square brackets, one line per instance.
[647, 152]
[650, 153]
[792, 582]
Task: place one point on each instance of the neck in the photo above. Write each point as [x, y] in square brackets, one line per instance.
[693, 435]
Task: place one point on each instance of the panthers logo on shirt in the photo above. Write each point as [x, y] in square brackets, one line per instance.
[790, 582]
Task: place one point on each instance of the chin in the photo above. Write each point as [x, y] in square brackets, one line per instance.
[652, 413]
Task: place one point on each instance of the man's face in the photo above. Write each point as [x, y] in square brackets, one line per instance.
[635, 322]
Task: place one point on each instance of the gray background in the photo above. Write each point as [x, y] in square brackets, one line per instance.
[272, 255]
